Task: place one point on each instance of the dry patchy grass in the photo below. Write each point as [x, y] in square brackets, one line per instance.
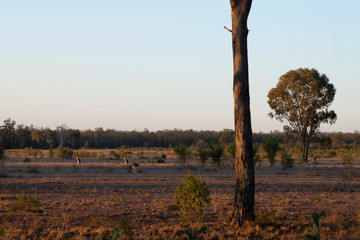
[87, 201]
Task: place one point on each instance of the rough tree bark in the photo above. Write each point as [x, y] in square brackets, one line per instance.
[244, 160]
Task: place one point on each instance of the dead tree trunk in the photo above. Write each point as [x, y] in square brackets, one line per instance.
[245, 177]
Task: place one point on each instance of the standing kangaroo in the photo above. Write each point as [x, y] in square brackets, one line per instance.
[78, 160]
[126, 161]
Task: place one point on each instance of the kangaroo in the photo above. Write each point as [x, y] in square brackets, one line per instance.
[126, 161]
[78, 160]
[135, 165]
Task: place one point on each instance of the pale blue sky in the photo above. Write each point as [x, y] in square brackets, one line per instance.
[167, 64]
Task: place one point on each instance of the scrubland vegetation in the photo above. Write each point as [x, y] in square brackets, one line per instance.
[54, 198]
[45, 194]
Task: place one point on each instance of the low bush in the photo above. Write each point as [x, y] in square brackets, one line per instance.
[122, 228]
[317, 223]
[83, 154]
[265, 218]
[126, 229]
[331, 153]
[191, 198]
[29, 203]
[286, 160]
[216, 152]
[182, 152]
[114, 154]
[64, 152]
[192, 235]
[271, 147]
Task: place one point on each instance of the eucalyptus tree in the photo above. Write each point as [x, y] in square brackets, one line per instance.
[302, 99]
[244, 160]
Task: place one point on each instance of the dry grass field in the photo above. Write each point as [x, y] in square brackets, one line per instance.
[85, 201]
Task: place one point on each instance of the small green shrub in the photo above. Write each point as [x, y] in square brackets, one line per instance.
[83, 154]
[163, 156]
[181, 152]
[271, 147]
[331, 153]
[113, 236]
[192, 235]
[216, 152]
[317, 223]
[101, 155]
[29, 203]
[265, 218]
[126, 229]
[122, 228]
[203, 154]
[191, 197]
[64, 152]
[286, 160]
[114, 154]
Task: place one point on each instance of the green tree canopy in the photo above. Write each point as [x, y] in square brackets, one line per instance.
[302, 99]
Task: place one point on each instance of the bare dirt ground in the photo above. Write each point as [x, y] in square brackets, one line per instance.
[85, 201]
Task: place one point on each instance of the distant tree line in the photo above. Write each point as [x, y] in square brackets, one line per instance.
[15, 136]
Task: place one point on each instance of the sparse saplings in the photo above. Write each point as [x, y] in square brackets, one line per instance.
[317, 223]
[271, 147]
[216, 152]
[64, 152]
[286, 160]
[181, 152]
[25, 202]
[114, 155]
[203, 154]
[191, 198]
[202, 151]
[302, 99]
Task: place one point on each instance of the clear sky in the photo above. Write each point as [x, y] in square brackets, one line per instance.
[164, 64]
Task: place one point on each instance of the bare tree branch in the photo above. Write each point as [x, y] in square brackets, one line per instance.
[228, 29]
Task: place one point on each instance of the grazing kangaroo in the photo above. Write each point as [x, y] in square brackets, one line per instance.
[126, 161]
[78, 160]
[135, 165]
